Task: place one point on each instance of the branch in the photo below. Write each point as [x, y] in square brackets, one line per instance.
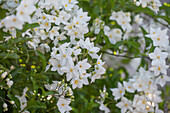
[158, 21]
[129, 57]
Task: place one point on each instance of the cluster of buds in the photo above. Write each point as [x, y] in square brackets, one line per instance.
[5, 80]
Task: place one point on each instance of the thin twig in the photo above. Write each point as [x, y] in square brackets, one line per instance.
[129, 57]
[158, 21]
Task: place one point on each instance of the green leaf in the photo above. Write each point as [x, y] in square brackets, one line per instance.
[5, 55]
[43, 59]
[35, 86]
[2, 34]
[15, 99]
[118, 44]
[35, 105]
[29, 26]
[3, 13]
[18, 40]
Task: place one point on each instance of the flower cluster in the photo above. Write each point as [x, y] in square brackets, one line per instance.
[145, 82]
[152, 4]
[5, 80]
[23, 15]
[61, 91]
[98, 24]
[68, 59]
[123, 19]
[77, 58]
[103, 95]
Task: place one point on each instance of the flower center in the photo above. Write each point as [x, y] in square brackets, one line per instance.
[158, 39]
[77, 23]
[158, 57]
[76, 81]
[14, 20]
[117, 31]
[63, 104]
[43, 17]
[70, 27]
[159, 68]
[64, 55]
[120, 91]
[71, 70]
[21, 12]
[75, 33]
[46, 24]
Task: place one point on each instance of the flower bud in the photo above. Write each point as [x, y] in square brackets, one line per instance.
[10, 83]
[7, 79]
[12, 102]
[5, 105]
[4, 75]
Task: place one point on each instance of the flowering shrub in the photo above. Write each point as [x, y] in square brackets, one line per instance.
[56, 55]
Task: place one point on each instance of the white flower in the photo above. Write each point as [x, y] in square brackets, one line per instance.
[13, 21]
[63, 105]
[104, 108]
[46, 25]
[25, 9]
[64, 16]
[118, 92]
[83, 66]
[128, 86]
[69, 4]
[140, 84]
[140, 102]
[161, 80]
[159, 37]
[54, 32]
[83, 15]
[158, 56]
[99, 61]
[138, 20]
[114, 35]
[70, 70]
[59, 37]
[124, 105]
[159, 67]
[76, 82]
[53, 19]
[44, 47]
[22, 99]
